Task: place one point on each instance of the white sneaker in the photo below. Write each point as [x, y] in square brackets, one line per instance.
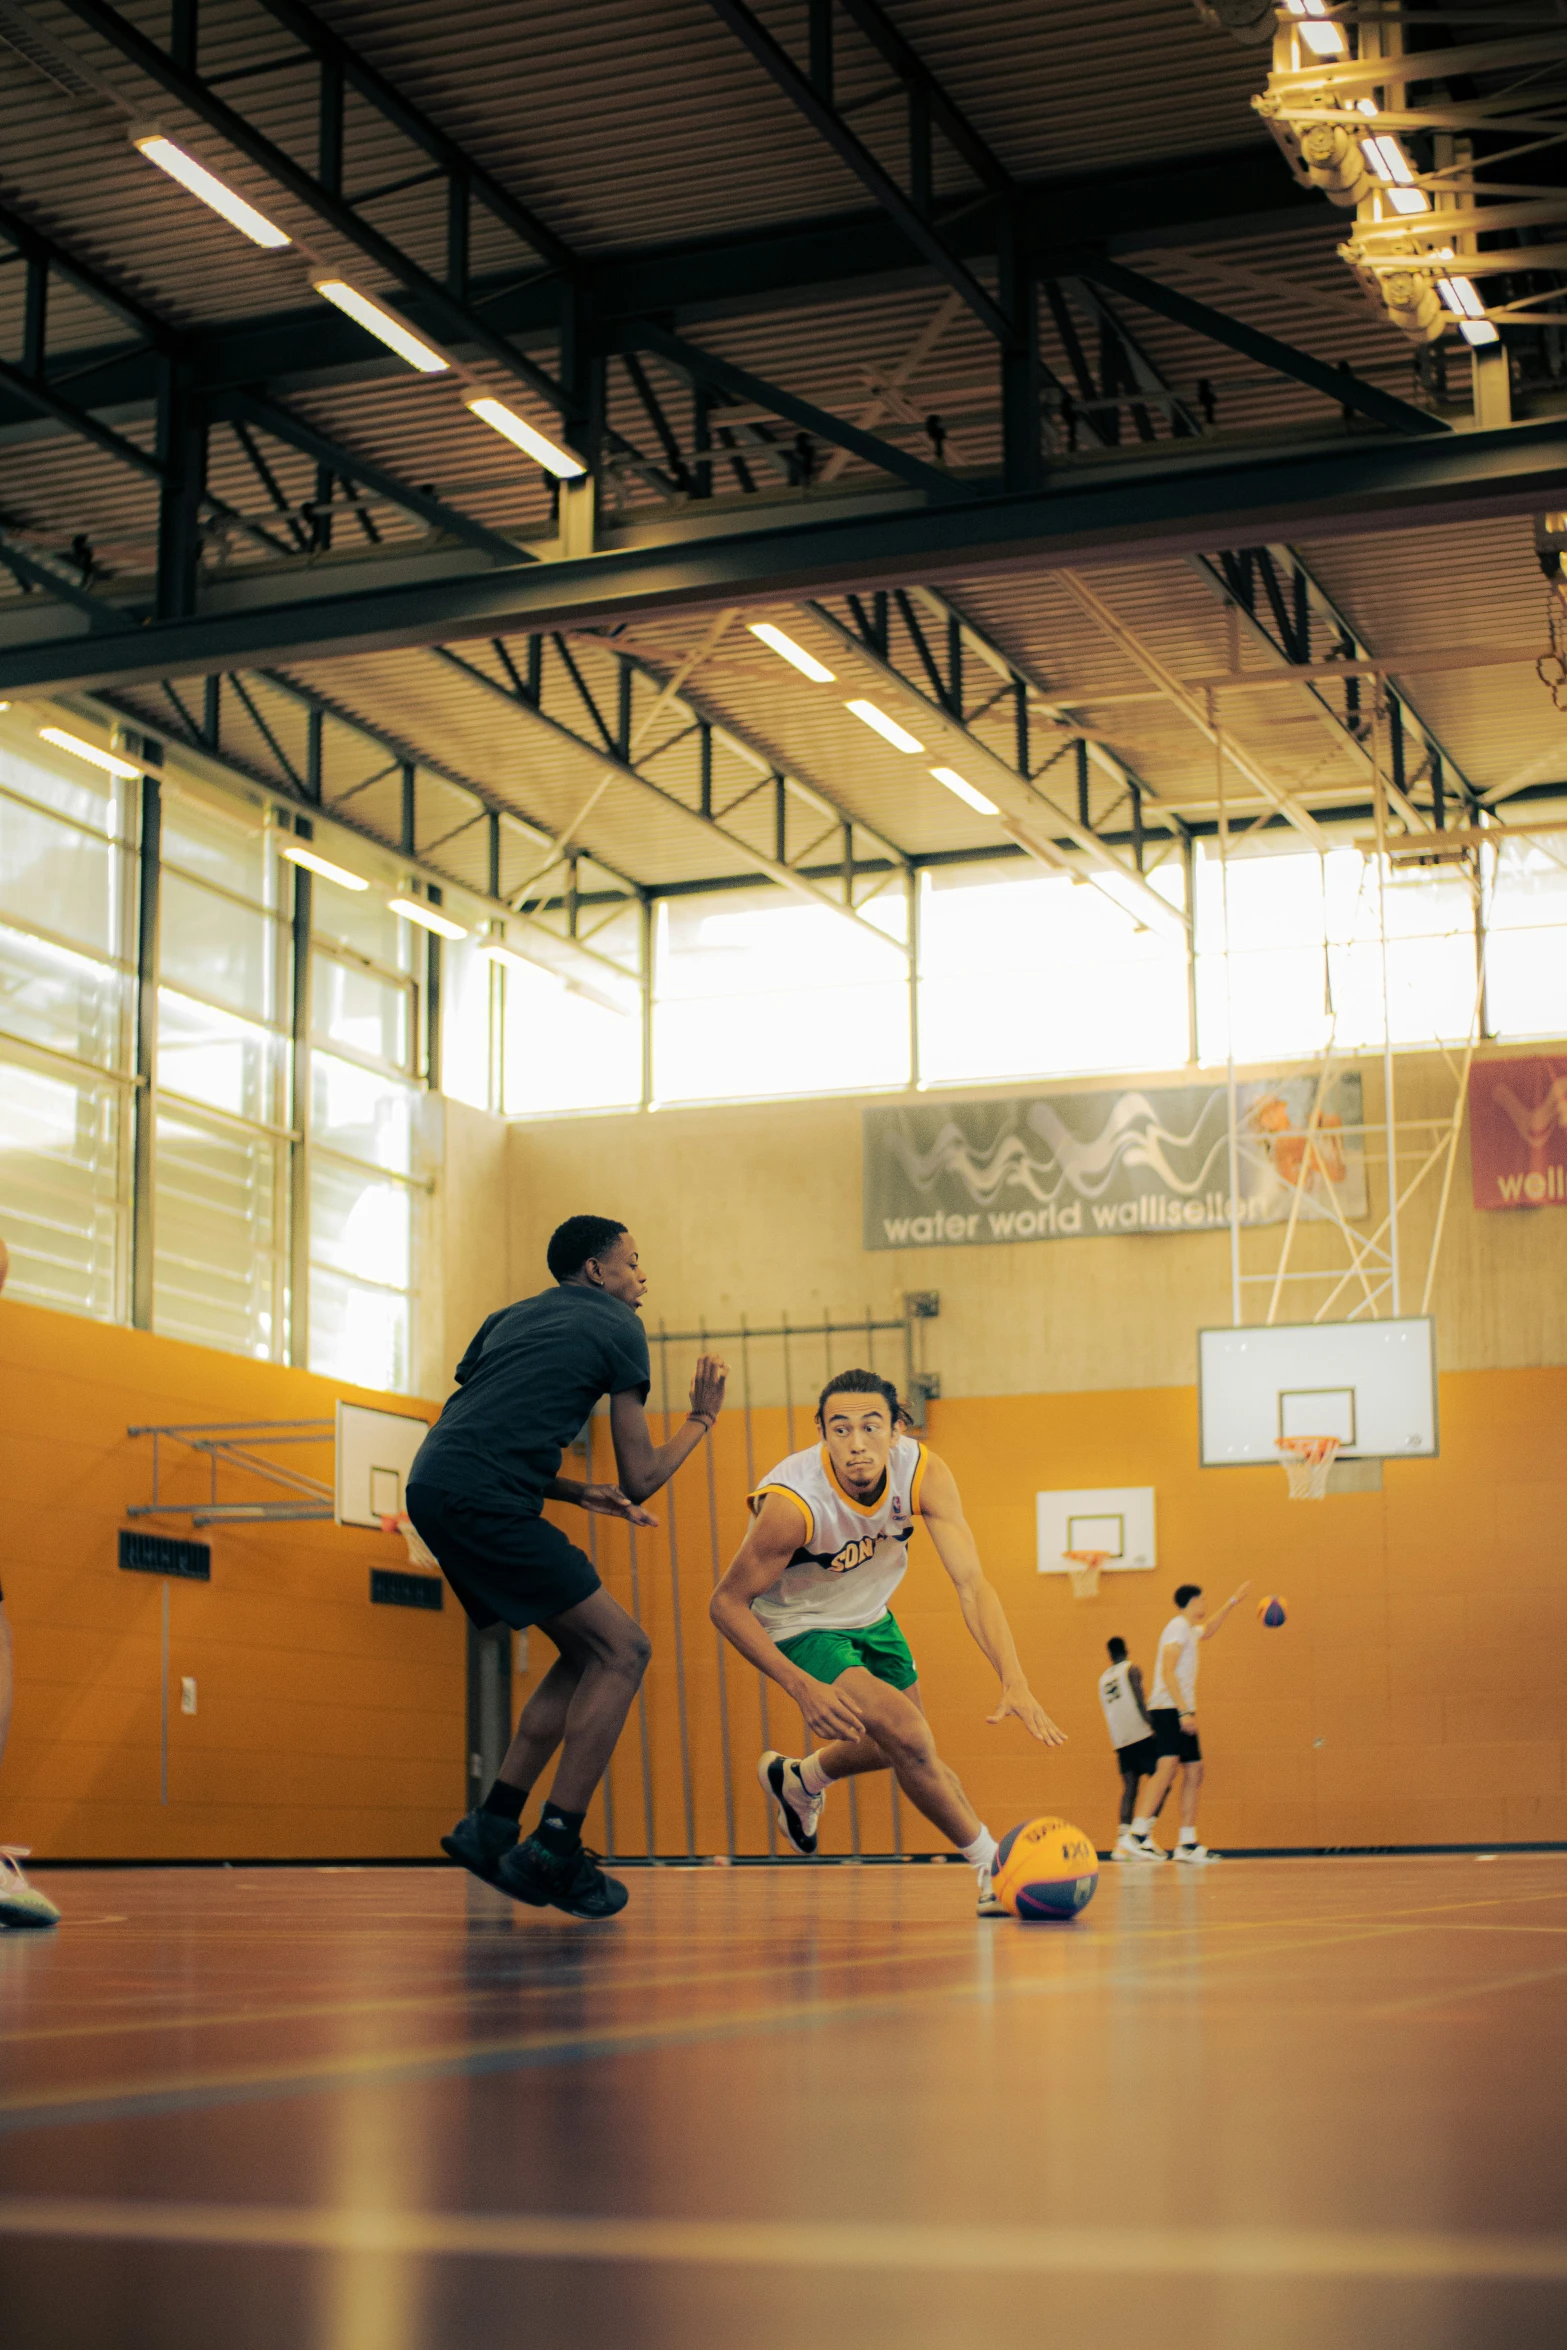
[798, 1812]
[989, 1906]
[1139, 1848]
[1195, 1855]
[22, 1904]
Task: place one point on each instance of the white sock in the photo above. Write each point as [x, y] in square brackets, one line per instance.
[1188, 1835]
[1143, 1828]
[981, 1854]
[812, 1777]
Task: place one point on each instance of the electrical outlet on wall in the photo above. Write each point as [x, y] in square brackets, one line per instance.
[187, 1694]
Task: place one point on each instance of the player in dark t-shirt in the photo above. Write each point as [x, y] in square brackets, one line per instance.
[475, 1494]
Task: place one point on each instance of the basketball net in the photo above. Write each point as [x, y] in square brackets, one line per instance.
[1083, 1566]
[1307, 1461]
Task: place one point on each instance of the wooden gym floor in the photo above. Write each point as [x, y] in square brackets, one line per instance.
[1283, 2104]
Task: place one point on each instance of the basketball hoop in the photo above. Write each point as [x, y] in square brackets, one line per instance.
[1307, 1461]
[1083, 1566]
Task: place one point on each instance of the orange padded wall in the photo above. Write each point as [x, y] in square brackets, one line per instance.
[325, 1726]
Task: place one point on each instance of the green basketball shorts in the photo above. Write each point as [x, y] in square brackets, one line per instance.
[880, 1648]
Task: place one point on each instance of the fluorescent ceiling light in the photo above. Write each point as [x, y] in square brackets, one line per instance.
[1459, 294]
[1478, 331]
[414, 910]
[1324, 40]
[109, 761]
[382, 324]
[796, 655]
[297, 854]
[965, 790]
[526, 437]
[496, 951]
[888, 728]
[200, 182]
[1406, 199]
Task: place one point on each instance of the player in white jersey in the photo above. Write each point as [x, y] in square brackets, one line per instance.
[1136, 1748]
[806, 1600]
[1172, 1711]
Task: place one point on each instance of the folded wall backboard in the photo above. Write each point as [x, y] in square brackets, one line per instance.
[375, 1451]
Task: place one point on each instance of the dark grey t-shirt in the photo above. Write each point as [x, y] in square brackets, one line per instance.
[526, 1384]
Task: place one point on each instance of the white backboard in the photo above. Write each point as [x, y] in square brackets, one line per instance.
[1118, 1519]
[375, 1452]
[1371, 1384]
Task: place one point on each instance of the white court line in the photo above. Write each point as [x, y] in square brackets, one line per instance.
[808, 2244]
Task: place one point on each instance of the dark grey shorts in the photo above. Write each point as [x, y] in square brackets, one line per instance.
[504, 1567]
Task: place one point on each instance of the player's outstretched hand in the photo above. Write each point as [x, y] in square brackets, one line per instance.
[827, 1715]
[707, 1388]
[609, 1502]
[1021, 1702]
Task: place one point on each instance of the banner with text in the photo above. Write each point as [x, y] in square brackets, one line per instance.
[1088, 1166]
[1518, 1134]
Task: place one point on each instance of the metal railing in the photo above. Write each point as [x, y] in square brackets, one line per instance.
[228, 1444]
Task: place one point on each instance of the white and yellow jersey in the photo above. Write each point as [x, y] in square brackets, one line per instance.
[852, 1554]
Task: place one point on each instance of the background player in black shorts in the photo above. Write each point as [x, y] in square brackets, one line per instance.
[475, 1494]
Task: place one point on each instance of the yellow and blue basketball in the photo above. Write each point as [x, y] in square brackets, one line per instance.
[1272, 1612]
[1045, 1869]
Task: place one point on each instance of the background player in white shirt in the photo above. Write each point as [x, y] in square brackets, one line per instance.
[1172, 1710]
[1136, 1748]
[806, 1600]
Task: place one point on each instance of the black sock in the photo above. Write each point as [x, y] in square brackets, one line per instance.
[505, 1802]
[560, 1831]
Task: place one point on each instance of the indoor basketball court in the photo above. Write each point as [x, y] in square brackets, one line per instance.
[783, 1095]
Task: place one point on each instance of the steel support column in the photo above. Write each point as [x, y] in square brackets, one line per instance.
[144, 1112]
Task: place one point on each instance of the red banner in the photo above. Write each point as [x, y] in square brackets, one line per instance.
[1518, 1133]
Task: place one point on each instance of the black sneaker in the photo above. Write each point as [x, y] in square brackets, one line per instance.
[572, 1881]
[481, 1841]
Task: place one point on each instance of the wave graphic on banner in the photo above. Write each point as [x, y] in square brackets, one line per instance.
[1132, 1136]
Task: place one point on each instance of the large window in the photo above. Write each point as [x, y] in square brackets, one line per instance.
[756, 994]
[1306, 961]
[1030, 974]
[365, 1177]
[220, 1195]
[1526, 941]
[576, 1043]
[67, 869]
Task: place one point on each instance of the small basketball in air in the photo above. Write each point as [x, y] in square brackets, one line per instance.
[1271, 1613]
[1045, 1869]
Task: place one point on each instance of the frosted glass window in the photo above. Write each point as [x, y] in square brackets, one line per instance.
[57, 877]
[1305, 953]
[86, 794]
[757, 995]
[212, 1057]
[358, 1333]
[1526, 943]
[1035, 975]
[362, 920]
[465, 1023]
[218, 949]
[68, 1002]
[360, 1223]
[62, 1188]
[217, 1264]
[215, 844]
[566, 1049]
[362, 1010]
[361, 1114]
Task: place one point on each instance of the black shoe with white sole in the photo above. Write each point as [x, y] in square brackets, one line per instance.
[798, 1812]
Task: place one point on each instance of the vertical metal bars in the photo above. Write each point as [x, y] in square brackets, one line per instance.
[144, 1113]
[674, 1596]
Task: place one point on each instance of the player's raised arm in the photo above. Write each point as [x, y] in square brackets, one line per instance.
[770, 1544]
[1214, 1622]
[941, 1507]
[644, 1466]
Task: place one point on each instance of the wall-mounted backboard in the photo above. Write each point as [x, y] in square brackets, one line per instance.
[1370, 1384]
[375, 1451]
[1117, 1519]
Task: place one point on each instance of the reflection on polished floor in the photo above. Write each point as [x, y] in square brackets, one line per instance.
[1280, 2104]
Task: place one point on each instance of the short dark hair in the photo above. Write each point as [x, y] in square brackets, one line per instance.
[1186, 1591]
[1117, 1648]
[863, 1383]
[580, 1237]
